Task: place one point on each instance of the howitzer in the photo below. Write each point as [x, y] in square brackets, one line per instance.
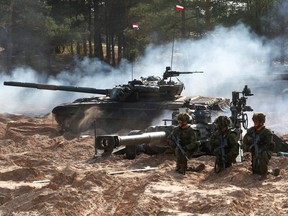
[154, 136]
[134, 138]
[168, 73]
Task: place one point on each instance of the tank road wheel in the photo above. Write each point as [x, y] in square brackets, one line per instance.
[131, 149]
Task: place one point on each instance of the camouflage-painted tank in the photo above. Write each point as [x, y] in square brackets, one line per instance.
[127, 106]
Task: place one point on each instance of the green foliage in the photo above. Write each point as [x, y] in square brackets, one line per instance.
[49, 24]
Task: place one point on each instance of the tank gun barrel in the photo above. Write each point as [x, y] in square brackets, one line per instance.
[58, 87]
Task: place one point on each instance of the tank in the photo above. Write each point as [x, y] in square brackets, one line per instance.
[125, 106]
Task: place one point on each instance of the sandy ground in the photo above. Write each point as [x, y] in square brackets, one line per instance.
[46, 173]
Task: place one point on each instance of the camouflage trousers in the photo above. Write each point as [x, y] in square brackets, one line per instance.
[221, 164]
[181, 159]
[260, 162]
[224, 161]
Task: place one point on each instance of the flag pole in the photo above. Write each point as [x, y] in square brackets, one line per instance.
[178, 8]
[132, 69]
[134, 26]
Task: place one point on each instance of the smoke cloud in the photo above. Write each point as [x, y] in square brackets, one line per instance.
[229, 57]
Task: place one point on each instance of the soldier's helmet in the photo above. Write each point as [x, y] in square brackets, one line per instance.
[223, 121]
[261, 117]
[183, 117]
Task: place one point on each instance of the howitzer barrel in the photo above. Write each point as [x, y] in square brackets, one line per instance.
[58, 87]
[144, 138]
[110, 141]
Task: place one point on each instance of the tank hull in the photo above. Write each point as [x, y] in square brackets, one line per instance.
[118, 117]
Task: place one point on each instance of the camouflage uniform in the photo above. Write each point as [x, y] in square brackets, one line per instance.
[260, 143]
[188, 141]
[224, 144]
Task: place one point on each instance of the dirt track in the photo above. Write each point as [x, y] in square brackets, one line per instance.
[44, 173]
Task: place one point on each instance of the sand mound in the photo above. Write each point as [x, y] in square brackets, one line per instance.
[43, 173]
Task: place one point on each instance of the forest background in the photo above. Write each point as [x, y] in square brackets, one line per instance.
[41, 33]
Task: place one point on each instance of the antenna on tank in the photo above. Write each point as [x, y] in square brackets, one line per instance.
[172, 52]
[132, 72]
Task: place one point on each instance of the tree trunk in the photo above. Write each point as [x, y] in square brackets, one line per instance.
[78, 49]
[208, 14]
[98, 52]
[113, 50]
[107, 37]
[120, 48]
[9, 60]
[90, 31]
[85, 49]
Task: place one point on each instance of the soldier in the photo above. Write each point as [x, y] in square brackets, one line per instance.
[259, 141]
[184, 140]
[224, 144]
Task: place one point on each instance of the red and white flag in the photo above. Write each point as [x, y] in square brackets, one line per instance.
[135, 25]
[179, 8]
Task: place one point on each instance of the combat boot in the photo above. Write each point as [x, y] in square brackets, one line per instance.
[181, 167]
[263, 177]
[197, 168]
[182, 170]
[177, 168]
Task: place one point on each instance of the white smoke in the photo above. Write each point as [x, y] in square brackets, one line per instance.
[229, 57]
[225, 56]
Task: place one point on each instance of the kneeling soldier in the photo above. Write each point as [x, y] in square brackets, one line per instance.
[224, 144]
[184, 140]
[259, 141]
